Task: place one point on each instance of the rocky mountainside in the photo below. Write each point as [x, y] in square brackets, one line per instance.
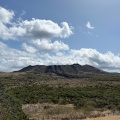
[75, 70]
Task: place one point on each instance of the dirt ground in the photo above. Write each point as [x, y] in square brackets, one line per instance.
[117, 117]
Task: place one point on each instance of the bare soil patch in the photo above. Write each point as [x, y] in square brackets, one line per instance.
[117, 117]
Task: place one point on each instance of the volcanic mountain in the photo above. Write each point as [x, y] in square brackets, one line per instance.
[72, 71]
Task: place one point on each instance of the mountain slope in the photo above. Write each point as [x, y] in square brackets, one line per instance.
[73, 71]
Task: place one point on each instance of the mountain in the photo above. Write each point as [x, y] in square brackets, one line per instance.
[72, 71]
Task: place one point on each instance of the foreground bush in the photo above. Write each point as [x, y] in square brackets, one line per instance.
[99, 96]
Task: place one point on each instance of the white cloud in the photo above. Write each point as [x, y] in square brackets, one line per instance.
[40, 33]
[14, 30]
[6, 15]
[89, 26]
[37, 39]
[10, 33]
[12, 59]
[17, 59]
[45, 29]
[49, 46]
[93, 57]
[4, 32]
[44, 45]
[35, 31]
[29, 48]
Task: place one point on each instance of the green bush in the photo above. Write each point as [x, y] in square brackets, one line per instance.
[99, 96]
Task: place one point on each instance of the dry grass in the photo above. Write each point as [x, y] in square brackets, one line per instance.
[21, 79]
[105, 118]
[47, 111]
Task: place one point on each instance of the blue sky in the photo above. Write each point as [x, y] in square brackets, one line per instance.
[59, 32]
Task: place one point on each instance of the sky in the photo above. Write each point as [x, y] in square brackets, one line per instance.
[59, 32]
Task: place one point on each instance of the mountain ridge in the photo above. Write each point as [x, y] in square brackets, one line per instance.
[72, 71]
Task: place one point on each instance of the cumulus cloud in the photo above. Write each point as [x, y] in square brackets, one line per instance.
[14, 30]
[36, 31]
[17, 59]
[6, 15]
[95, 58]
[44, 45]
[31, 29]
[37, 38]
[45, 29]
[49, 46]
[29, 48]
[40, 33]
[89, 26]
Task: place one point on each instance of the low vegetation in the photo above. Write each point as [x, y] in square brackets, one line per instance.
[89, 97]
[86, 95]
[10, 107]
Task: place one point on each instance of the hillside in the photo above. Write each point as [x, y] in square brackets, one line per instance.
[57, 91]
[71, 71]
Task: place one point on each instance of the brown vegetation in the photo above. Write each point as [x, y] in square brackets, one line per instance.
[116, 117]
[47, 111]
